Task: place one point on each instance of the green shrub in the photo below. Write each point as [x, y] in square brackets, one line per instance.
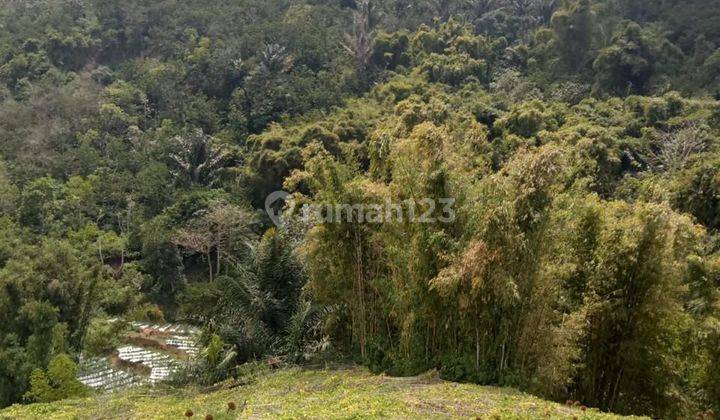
[57, 383]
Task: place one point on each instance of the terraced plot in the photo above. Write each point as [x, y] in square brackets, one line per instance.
[152, 354]
[99, 374]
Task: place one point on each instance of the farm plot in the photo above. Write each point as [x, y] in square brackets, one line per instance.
[146, 358]
[161, 365]
[99, 374]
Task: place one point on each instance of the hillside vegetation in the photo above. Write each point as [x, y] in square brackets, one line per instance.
[528, 195]
[293, 393]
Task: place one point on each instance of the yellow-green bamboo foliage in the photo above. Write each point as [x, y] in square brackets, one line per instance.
[537, 282]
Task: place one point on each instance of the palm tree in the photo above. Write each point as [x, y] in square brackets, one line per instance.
[197, 159]
[274, 59]
[544, 9]
[360, 42]
[479, 8]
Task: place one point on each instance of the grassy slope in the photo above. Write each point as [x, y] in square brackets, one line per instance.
[295, 393]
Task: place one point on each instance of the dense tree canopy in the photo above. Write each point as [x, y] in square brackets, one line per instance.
[577, 139]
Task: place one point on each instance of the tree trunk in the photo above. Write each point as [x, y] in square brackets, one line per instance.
[361, 293]
[100, 251]
[477, 348]
[217, 271]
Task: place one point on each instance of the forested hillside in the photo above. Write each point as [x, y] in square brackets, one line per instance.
[577, 142]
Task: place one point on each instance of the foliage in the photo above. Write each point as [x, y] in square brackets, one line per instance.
[139, 142]
[58, 383]
[103, 337]
[627, 65]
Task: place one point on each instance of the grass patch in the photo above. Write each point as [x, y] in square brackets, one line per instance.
[297, 393]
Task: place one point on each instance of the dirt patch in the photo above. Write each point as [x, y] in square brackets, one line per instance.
[429, 378]
[145, 341]
[137, 368]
